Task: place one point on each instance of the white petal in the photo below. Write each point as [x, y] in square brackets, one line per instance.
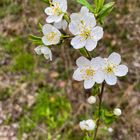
[99, 76]
[115, 58]
[89, 83]
[63, 4]
[74, 28]
[54, 18]
[49, 11]
[77, 75]
[38, 50]
[90, 44]
[98, 63]
[89, 20]
[58, 25]
[110, 79]
[47, 28]
[97, 32]
[84, 10]
[82, 62]
[121, 70]
[75, 17]
[47, 52]
[64, 25]
[78, 42]
[61, 25]
[90, 125]
[82, 125]
[45, 41]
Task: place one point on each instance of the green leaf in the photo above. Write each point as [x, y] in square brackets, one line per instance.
[46, 1]
[107, 116]
[87, 4]
[99, 4]
[106, 9]
[34, 38]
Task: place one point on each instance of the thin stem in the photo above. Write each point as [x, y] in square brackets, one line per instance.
[99, 111]
[88, 54]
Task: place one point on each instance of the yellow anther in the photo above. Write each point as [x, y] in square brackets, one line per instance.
[90, 72]
[51, 36]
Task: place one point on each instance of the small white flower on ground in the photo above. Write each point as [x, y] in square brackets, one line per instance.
[56, 11]
[112, 68]
[117, 111]
[83, 26]
[110, 130]
[89, 71]
[51, 35]
[61, 25]
[88, 125]
[91, 100]
[45, 51]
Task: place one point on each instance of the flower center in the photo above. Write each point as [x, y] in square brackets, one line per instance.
[85, 33]
[110, 68]
[57, 9]
[51, 36]
[90, 72]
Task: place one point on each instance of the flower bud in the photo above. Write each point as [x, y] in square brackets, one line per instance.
[117, 112]
[110, 130]
[91, 100]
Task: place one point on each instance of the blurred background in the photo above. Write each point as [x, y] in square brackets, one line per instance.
[39, 100]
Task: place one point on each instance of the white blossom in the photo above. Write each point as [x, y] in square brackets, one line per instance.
[45, 51]
[112, 68]
[56, 10]
[61, 25]
[117, 111]
[88, 71]
[87, 125]
[51, 35]
[83, 26]
[91, 100]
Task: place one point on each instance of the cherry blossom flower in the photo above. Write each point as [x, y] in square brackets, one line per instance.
[112, 68]
[45, 51]
[89, 71]
[56, 11]
[51, 35]
[83, 26]
[91, 100]
[117, 111]
[88, 125]
[61, 25]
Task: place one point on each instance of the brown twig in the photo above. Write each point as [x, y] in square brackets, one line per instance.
[99, 113]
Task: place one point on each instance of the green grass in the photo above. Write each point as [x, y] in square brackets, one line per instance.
[51, 108]
[23, 62]
[9, 8]
[5, 94]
